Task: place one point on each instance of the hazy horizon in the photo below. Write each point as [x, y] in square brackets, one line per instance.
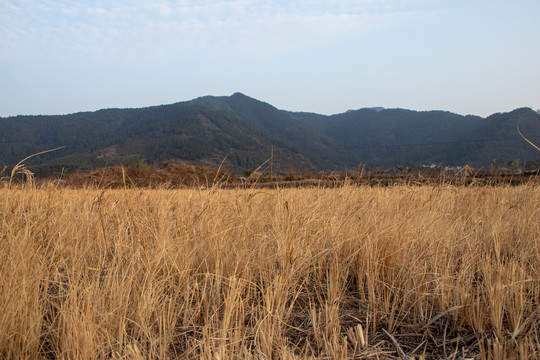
[326, 57]
[262, 100]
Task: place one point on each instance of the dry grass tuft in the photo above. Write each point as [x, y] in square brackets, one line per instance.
[349, 272]
[171, 175]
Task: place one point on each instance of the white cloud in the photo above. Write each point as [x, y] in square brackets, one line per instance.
[95, 11]
[138, 28]
[363, 48]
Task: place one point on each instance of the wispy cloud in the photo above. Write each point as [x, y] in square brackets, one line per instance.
[389, 52]
[146, 28]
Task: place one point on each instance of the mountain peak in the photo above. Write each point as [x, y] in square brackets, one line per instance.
[245, 130]
[525, 110]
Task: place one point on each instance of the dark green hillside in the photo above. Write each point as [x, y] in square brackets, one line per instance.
[189, 131]
[390, 137]
[281, 128]
[394, 136]
[81, 133]
[244, 131]
[499, 138]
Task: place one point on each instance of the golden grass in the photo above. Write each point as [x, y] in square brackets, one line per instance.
[349, 272]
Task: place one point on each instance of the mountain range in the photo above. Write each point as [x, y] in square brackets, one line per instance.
[242, 132]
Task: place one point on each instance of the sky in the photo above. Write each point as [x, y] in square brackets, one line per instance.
[466, 56]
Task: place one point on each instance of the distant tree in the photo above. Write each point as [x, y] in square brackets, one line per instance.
[496, 165]
[291, 175]
[515, 166]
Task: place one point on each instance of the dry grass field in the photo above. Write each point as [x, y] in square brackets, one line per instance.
[352, 272]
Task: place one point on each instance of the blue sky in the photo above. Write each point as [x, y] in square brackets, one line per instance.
[470, 57]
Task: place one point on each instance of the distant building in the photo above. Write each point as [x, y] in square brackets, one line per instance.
[510, 171]
[452, 169]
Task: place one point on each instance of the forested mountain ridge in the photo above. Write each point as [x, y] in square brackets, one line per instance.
[245, 132]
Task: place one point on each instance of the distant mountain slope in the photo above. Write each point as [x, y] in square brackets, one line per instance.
[183, 131]
[500, 138]
[244, 131]
[279, 128]
[389, 137]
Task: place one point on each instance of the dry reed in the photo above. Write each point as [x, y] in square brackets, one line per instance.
[349, 272]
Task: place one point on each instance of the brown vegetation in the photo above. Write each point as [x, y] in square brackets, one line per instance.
[182, 175]
[147, 176]
[436, 271]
